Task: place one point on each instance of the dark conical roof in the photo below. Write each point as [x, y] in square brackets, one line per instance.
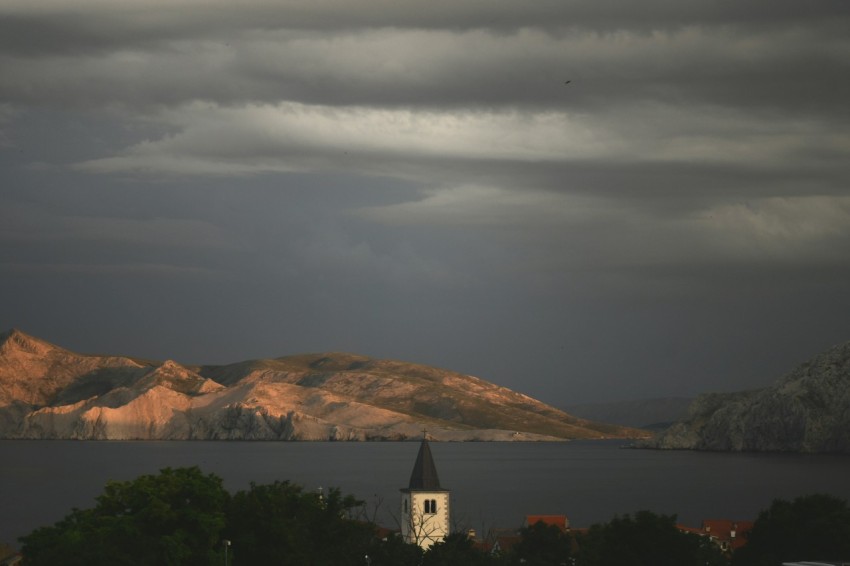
[424, 475]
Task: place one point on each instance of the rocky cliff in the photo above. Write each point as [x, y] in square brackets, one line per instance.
[808, 410]
[50, 392]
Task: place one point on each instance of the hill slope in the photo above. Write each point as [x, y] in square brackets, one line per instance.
[49, 392]
[808, 410]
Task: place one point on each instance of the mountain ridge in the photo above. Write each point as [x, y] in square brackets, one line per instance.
[807, 410]
[49, 392]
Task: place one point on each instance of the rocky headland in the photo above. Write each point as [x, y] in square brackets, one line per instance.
[48, 392]
[807, 410]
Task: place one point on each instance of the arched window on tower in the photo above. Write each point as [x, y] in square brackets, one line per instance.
[430, 506]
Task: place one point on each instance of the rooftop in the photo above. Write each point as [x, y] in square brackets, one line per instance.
[424, 475]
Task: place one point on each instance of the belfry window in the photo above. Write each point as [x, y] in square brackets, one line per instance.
[431, 506]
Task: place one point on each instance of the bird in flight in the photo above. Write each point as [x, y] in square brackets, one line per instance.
[567, 82]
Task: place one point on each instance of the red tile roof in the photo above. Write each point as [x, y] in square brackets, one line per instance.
[725, 532]
[559, 521]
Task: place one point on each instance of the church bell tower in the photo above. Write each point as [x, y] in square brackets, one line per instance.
[424, 504]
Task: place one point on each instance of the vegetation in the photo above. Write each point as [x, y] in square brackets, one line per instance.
[185, 517]
[646, 539]
[541, 545]
[175, 517]
[281, 524]
[814, 527]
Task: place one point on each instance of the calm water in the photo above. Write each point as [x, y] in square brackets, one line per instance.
[493, 484]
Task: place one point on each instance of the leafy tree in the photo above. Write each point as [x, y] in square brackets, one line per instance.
[646, 539]
[455, 550]
[182, 516]
[393, 552]
[709, 553]
[813, 527]
[542, 545]
[171, 518]
[281, 524]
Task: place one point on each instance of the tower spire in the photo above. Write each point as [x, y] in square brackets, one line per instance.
[424, 474]
[424, 503]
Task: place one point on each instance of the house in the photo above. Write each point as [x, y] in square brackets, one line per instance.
[501, 541]
[727, 534]
[559, 521]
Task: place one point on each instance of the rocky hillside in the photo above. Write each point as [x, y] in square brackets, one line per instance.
[808, 410]
[50, 392]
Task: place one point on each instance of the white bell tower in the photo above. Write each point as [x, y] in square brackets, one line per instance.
[424, 504]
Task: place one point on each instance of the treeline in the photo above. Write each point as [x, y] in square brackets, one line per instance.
[185, 517]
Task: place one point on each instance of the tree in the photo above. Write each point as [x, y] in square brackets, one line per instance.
[281, 524]
[174, 517]
[542, 545]
[646, 539]
[457, 549]
[813, 527]
[393, 551]
[182, 516]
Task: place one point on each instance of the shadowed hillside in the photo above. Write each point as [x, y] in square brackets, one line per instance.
[808, 410]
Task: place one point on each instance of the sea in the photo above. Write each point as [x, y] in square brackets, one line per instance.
[493, 484]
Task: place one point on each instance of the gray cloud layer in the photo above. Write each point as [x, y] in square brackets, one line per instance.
[207, 179]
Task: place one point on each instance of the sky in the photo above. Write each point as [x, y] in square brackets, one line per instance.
[582, 200]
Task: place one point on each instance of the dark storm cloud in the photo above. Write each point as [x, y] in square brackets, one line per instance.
[777, 55]
[66, 26]
[419, 181]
